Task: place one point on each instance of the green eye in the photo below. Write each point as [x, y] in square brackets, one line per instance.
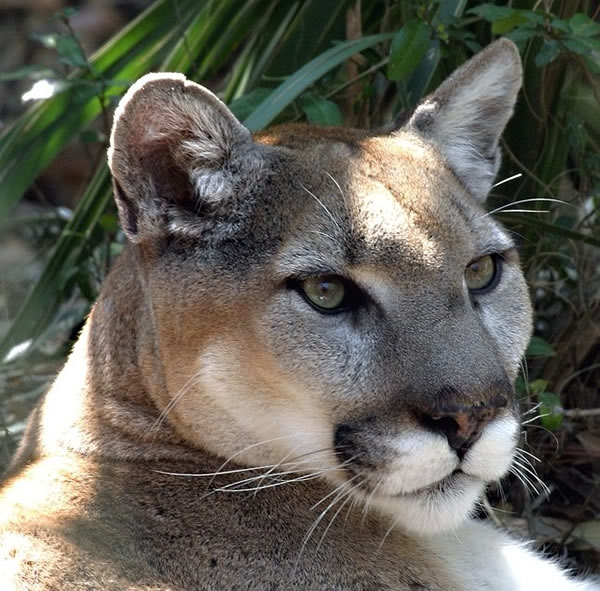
[483, 273]
[326, 293]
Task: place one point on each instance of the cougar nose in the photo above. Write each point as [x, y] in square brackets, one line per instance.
[461, 425]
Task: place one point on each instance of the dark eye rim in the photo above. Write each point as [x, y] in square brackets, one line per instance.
[498, 261]
[354, 297]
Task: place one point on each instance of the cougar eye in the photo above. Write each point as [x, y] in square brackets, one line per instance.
[483, 274]
[330, 294]
[326, 293]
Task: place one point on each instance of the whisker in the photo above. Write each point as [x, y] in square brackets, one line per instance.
[520, 450]
[369, 500]
[548, 432]
[533, 475]
[535, 418]
[542, 498]
[502, 493]
[523, 458]
[248, 447]
[318, 520]
[294, 465]
[355, 501]
[486, 506]
[319, 233]
[526, 210]
[349, 496]
[524, 371]
[518, 471]
[526, 466]
[212, 474]
[527, 470]
[238, 485]
[506, 180]
[533, 409]
[302, 478]
[531, 200]
[525, 483]
[337, 488]
[294, 462]
[173, 402]
[235, 486]
[322, 205]
[269, 472]
[343, 196]
[387, 533]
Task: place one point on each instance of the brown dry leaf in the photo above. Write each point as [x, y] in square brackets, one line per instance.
[587, 534]
[590, 441]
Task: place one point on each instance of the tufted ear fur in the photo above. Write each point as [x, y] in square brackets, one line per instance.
[174, 144]
[467, 114]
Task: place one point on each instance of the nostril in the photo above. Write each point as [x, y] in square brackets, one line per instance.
[499, 402]
[444, 425]
[461, 429]
[438, 423]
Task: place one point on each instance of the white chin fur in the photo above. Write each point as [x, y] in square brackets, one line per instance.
[448, 504]
[432, 511]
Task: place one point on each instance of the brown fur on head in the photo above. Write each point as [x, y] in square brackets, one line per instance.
[225, 230]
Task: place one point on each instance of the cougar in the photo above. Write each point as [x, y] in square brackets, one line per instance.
[299, 374]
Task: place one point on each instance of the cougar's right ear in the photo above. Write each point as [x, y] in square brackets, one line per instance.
[174, 144]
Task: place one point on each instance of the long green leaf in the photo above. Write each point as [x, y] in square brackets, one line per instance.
[42, 302]
[408, 49]
[546, 228]
[284, 94]
[197, 35]
[31, 143]
[423, 75]
[233, 29]
[272, 40]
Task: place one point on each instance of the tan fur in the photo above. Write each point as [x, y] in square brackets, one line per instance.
[203, 380]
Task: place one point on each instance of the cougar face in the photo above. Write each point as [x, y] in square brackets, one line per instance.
[409, 378]
[347, 309]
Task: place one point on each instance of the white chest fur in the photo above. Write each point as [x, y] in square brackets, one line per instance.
[479, 557]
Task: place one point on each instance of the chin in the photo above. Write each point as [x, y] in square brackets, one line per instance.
[441, 507]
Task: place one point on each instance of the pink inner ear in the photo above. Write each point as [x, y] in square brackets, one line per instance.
[166, 113]
[152, 125]
[172, 146]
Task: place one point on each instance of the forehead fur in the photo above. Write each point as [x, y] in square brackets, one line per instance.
[299, 135]
[184, 167]
[372, 199]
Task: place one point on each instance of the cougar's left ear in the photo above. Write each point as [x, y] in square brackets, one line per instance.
[174, 144]
[467, 114]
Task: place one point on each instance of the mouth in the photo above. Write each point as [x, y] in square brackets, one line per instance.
[436, 507]
[440, 487]
[450, 484]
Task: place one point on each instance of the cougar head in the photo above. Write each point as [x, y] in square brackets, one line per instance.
[333, 302]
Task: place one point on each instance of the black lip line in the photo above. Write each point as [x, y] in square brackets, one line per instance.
[431, 488]
[424, 490]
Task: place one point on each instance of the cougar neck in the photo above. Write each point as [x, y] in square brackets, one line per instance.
[104, 394]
